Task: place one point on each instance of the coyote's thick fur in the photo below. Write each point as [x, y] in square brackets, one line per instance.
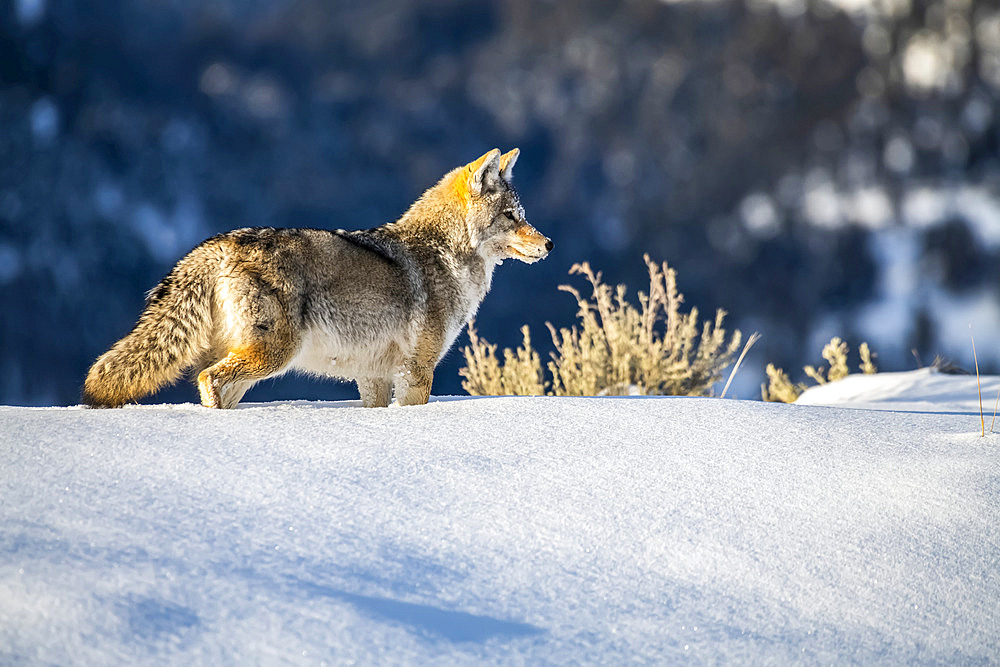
[379, 306]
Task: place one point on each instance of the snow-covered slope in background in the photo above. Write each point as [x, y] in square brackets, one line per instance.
[924, 390]
[499, 529]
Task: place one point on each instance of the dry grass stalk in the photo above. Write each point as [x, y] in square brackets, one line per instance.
[979, 386]
[754, 337]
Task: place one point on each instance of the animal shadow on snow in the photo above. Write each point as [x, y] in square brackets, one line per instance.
[455, 626]
[151, 618]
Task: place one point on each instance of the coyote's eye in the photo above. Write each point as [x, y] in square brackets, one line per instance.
[510, 215]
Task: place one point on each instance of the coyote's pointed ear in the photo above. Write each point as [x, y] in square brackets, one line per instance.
[507, 161]
[484, 173]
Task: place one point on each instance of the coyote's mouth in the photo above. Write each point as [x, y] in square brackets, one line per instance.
[524, 257]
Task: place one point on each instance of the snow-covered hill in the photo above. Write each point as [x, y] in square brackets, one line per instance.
[504, 530]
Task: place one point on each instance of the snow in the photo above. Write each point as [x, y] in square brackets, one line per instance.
[506, 530]
[924, 390]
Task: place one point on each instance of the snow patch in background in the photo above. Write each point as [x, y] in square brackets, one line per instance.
[169, 236]
[44, 118]
[897, 253]
[29, 12]
[904, 287]
[958, 318]
[923, 390]
[10, 263]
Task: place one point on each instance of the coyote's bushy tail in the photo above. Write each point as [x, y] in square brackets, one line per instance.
[172, 333]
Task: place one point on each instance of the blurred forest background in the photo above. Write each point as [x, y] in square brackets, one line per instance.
[815, 167]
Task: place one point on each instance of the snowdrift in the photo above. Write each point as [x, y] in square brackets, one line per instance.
[502, 530]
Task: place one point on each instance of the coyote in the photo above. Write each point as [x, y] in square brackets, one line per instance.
[378, 306]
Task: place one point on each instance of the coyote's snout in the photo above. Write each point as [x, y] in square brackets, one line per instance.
[378, 306]
[528, 244]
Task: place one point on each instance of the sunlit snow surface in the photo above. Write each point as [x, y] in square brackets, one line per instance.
[505, 530]
[924, 390]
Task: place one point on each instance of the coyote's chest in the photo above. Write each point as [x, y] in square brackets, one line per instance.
[473, 282]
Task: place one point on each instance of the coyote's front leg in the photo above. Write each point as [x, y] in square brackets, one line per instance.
[413, 385]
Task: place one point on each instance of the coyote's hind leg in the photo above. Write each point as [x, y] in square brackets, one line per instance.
[375, 392]
[223, 384]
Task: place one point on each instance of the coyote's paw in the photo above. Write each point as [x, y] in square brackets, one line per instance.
[208, 388]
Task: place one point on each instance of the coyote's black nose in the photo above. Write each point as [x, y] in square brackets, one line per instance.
[548, 245]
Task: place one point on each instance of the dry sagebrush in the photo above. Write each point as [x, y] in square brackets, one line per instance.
[615, 349]
[779, 387]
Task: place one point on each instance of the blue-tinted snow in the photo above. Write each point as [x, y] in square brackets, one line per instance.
[503, 529]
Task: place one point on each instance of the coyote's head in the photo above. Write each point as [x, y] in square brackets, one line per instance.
[497, 228]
